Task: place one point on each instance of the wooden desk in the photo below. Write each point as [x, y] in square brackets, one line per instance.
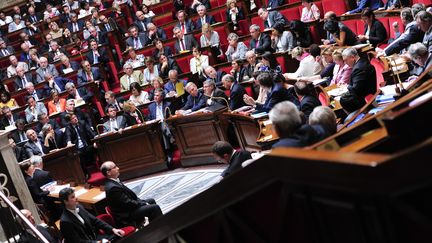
[246, 129]
[137, 151]
[89, 199]
[195, 135]
[64, 164]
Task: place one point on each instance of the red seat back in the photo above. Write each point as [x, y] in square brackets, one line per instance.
[258, 21]
[291, 13]
[337, 6]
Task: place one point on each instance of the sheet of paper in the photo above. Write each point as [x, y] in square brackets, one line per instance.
[100, 196]
[80, 192]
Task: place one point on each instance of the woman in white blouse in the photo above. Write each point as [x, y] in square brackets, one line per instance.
[310, 11]
[147, 12]
[138, 96]
[151, 71]
[198, 62]
[307, 67]
[50, 12]
[236, 50]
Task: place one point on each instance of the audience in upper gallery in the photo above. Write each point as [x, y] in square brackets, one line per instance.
[203, 17]
[236, 92]
[271, 18]
[281, 40]
[342, 35]
[424, 22]
[287, 122]
[310, 11]
[308, 65]
[233, 14]
[325, 117]
[225, 153]
[362, 4]
[236, 49]
[412, 34]
[301, 33]
[363, 76]
[374, 31]
[260, 41]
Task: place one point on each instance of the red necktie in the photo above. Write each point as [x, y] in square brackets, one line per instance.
[183, 29]
[182, 45]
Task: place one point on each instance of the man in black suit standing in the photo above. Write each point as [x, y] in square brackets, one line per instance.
[363, 77]
[41, 177]
[184, 42]
[260, 42]
[78, 225]
[225, 153]
[126, 207]
[237, 92]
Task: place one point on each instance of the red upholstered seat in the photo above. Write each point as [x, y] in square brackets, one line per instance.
[291, 13]
[183, 63]
[249, 91]
[294, 1]
[221, 30]
[96, 179]
[258, 21]
[337, 6]
[163, 19]
[352, 24]
[176, 159]
[107, 218]
[425, 2]
[391, 20]
[243, 27]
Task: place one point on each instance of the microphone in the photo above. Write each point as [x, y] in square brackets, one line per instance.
[141, 115]
[97, 128]
[165, 110]
[221, 98]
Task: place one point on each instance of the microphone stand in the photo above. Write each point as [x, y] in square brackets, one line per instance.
[140, 114]
[97, 128]
[221, 98]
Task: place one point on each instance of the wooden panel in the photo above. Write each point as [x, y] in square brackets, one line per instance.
[137, 151]
[64, 164]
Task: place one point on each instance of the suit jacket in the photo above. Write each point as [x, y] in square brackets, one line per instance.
[37, 194]
[82, 77]
[142, 25]
[239, 15]
[52, 54]
[40, 76]
[74, 65]
[82, 116]
[103, 56]
[10, 49]
[20, 153]
[25, 57]
[307, 104]
[172, 65]
[122, 201]
[42, 93]
[61, 83]
[124, 82]
[189, 25]
[217, 102]
[169, 86]
[32, 149]
[275, 17]
[5, 121]
[34, 18]
[142, 38]
[74, 231]
[236, 96]
[189, 42]
[80, 23]
[31, 31]
[377, 32]
[218, 79]
[264, 44]
[303, 136]
[363, 79]
[85, 94]
[113, 25]
[166, 50]
[412, 34]
[86, 134]
[274, 3]
[121, 123]
[277, 94]
[195, 103]
[371, 4]
[41, 177]
[238, 75]
[16, 137]
[236, 161]
[52, 122]
[152, 110]
[40, 108]
[19, 82]
[208, 18]
[159, 34]
[101, 38]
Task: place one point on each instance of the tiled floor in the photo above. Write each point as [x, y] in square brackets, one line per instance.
[171, 189]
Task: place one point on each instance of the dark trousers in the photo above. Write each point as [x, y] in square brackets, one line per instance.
[150, 210]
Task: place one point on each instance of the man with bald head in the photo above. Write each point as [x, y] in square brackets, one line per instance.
[35, 144]
[126, 207]
[29, 216]
[44, 68]
[216, 76]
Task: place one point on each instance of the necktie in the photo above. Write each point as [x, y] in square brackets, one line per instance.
[22, 136]
[183, 29]
[44, 71]
[182, 45]
[108, 27]
[30, 32]
[203, 20]
[4, 52]
[143, 25]
[75, 28]
[35, 96]
[256, 43]
[95, 58]
[24, 80]
[129, 80]
[34, 19]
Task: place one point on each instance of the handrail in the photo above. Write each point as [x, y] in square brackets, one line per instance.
[21, 216]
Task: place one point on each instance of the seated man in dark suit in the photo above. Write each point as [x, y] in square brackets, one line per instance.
[126, 207]
[216, 98]
[78, 225]
[88, 74]
[68, 66]
[260, 41]
[35, 144]
[154, 33]
[184, 42]
[117, 102]
[271, 18]
[40, 176]
[236, 92]
[97, 54]
[19, 151]
[23, 78]
[58, 83]
[363, 76]
[38, 94]
[56, 52]
[287, 123]
[19, 135]
[185, 25]
[203, 17]
[9, 118]
[114, 123]
[41, 228]
[137, 40]
[195, 100]
[70, 109]
[100, 37]
[210, 73]
[75, 24]
[141, 22]
[225, 153]
[307, 101]
[78, 94]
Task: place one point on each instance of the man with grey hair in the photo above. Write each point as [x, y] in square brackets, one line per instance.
[11, 70]
[155, 33]
[44, 68]
[210, 73]
[203, 17]
[37, 94]
[40, 176]
[424, 22]
[236, 92]
[363, 77]
[325, 117]
[5, 50]
[252, 62]
[420, 55]
[195, 101]
[75, 24]
[136, 40]
[260, 41]
[288, 126]
[214, 95]
[81, 94]
[236, 50]
[271, 18]
[130, 76]
[183, 42]
[55, 51]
